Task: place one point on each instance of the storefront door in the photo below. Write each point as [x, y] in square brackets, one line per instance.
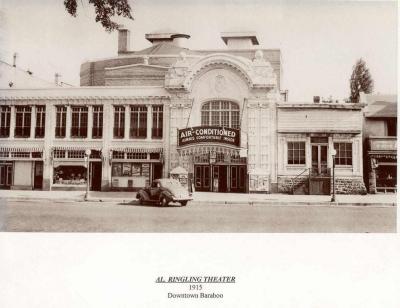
[320, 177]
[220, 178]
[237, 178]
[319, 158]
[38, 180]
[95, 176]
[202, 177]
[5, 175]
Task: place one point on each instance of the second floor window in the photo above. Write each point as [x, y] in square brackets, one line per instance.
[157, 129]
[138, 122]
[5, 116]
[40, 121]
[23, 121]
[61, 121]
[97, 129]
[79, 124]
[119, 121]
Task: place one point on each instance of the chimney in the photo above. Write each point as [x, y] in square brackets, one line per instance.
[317, 99]
[240, 40]
[15, 59]
[123, 39]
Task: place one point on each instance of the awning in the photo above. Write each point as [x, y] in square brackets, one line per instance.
[204, 149]
[21, 149]
[69, 163]
[76, 148]
[138, 150]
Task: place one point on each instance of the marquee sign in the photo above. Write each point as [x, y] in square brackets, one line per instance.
[209, 134]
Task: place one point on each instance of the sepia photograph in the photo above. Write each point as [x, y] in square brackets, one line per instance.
[155, 120]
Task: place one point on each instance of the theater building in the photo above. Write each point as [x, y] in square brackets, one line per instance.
[217, 115]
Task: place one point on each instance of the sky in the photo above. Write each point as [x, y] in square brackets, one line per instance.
[320, 41]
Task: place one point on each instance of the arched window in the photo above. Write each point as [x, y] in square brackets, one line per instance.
[220, 113]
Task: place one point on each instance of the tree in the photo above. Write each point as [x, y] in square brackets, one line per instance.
[104, 9]
[361, 81]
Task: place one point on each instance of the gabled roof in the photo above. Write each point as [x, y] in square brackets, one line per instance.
[16, 78]
[381, 106]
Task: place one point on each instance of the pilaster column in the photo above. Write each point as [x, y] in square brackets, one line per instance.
[48, 143]
[90, 121]
[33, 121]
[149, 121]
[12, 122]
[127, 122]
[68, 124]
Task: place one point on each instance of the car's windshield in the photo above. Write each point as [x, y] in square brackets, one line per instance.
[170, 183]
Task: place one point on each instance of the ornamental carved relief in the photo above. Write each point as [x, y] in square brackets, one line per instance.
[257, 73]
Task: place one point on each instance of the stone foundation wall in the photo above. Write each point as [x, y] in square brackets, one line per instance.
[350, 186]
[285, 183]
[344, 186]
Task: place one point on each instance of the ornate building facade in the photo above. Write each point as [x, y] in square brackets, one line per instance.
[218, 114]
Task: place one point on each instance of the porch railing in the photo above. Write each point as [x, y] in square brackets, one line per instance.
[297, 176]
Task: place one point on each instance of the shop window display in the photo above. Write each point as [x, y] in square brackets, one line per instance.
[70, 175]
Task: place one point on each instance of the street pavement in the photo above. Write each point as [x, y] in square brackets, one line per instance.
[206, 197]
[78, 216]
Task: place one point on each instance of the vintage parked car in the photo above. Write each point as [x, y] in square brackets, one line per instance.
[164, 191]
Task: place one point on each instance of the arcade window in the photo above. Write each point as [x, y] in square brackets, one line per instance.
[118, 155]
[157, 129]
[5, 116]
[79, 123]
[21, 154]
[61, 121]
[59, 153]
[40, 121]
[220, 113]
[344, 154]
[119, 121]
[138, 122]
[97, 128]
[136, 155]
[296, 153]
[23, 122]
[76, 154]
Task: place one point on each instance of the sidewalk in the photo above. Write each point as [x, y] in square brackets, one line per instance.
[207, 198]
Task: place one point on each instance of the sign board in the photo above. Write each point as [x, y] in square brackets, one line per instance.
[209, 134]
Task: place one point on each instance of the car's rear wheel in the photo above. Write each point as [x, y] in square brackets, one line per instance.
[183, 203]
[141, 200]
[164, 201]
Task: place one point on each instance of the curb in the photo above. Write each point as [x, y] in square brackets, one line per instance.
[261, 203]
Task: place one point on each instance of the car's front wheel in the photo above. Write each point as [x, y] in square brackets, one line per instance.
[164, 201]
[183, 203]
[141, 200]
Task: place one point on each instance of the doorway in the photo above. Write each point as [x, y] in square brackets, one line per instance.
[38, 178]
[6, 175]
[220, 178]
[157, 171]
[319, 159]
[238, 178]
[320, 180]
[202, 177]
[96, 169]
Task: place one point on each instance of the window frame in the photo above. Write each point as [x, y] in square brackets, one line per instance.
[23, 114]
[338, 158]
[300, 160]
[40, 126]
[138, 123]
[61, 121]
[119, 122]
[5, 121]
[97, 123]
[220, 113]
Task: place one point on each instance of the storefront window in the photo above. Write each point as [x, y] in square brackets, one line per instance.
[296, 153]
[69, 175]
[344, 154]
